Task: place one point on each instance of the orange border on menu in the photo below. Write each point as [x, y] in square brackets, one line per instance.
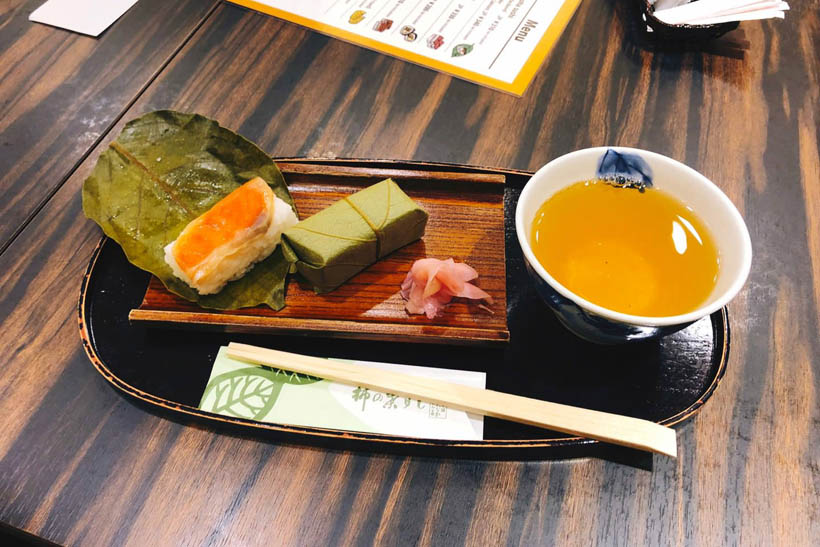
[516, 87]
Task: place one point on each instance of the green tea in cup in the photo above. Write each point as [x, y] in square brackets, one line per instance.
[639, 252]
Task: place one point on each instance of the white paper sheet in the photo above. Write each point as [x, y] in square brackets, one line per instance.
[707, 12]
[89, 17]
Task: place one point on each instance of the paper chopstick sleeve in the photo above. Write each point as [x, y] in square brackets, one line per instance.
[336, 243]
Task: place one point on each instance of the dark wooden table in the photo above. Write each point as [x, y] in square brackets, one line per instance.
[79, 463]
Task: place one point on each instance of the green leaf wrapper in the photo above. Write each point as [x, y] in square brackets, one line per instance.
[337, 243]
[164, 170]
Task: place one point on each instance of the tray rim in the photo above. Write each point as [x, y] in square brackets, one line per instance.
[386, 441]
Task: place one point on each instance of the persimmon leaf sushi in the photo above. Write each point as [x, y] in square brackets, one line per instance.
[221, 245]
[336, 243]
[167, 169]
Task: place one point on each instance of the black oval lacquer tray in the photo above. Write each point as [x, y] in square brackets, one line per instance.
[666, 381]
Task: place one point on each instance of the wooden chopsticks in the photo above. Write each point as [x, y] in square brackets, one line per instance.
[602, 426]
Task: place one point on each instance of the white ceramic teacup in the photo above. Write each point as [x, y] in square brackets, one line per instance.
[601, 325]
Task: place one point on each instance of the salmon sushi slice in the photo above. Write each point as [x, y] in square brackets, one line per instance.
[223, 243]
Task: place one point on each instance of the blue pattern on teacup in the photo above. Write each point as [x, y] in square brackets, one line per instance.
[624, 169]
[590, 326]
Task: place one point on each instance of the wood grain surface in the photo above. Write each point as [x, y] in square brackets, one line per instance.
[61, 91]
[80, 464]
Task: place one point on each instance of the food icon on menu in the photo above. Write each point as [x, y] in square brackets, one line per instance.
[462, 49]
[356, 17]
[382, 25]
[435, 41]
[409, 33]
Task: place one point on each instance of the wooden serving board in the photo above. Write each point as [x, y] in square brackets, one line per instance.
[466, 223]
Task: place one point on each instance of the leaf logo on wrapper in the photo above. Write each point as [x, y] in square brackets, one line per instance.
[248, 393]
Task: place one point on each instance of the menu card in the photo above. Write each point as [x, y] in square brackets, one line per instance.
[497, 43]
[242, 390]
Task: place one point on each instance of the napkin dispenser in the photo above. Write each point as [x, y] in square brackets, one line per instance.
[680, 32]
